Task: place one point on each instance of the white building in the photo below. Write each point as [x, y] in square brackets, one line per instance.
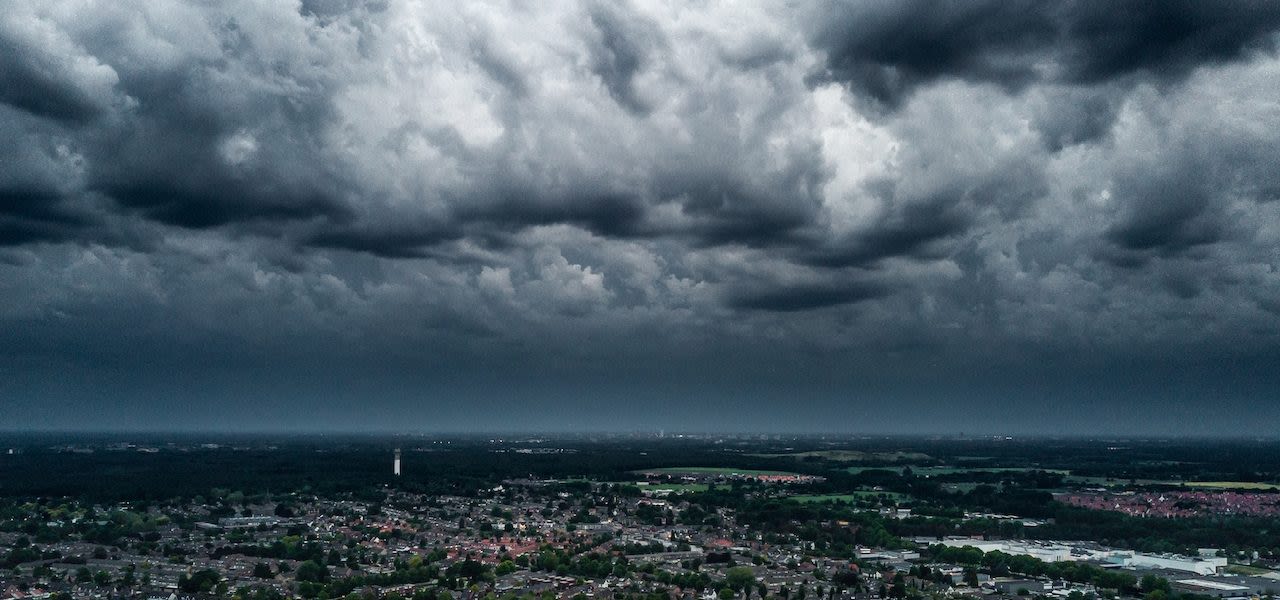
[1066, 551]
[1177, 562]
[1045, 551]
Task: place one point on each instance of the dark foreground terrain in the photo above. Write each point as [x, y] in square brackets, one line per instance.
[622, 516]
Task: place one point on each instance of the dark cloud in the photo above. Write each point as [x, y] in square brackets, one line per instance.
[28, 216]
[1169, 220]
[888, 49]
[724, 209]
[914, 231]
[198, 152]
[489, 201]
[1077, 115]
[611, 214]
[44, 88]
[204, 204]
[329, 9]
[806, 297]
[618, 52]
[391, 242]
[921, 227]
[1104, 40]
[37, 205]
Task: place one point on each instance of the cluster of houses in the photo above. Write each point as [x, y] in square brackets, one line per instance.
[507, 528]
[1174, 504]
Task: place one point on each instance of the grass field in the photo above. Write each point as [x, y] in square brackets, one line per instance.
[856, 470]
[1207, 485]
[1231, 485]
[850, 456]
[932, 471]
[962, 486]
[1114, 481]
[726, 471]
[851, 497]
[677, 488]
[1246, 570]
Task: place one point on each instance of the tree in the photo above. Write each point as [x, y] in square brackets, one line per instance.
[899, 589]
[200, 582]
[262, 571]
[740, 578]
[471, 569]
[1152, 583]
[312, 571]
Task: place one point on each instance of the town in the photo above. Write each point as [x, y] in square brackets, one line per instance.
[675, 533]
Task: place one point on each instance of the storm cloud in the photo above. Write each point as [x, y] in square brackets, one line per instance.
[887, 49]
[567, 207]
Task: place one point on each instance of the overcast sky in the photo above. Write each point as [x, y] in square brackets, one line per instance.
[1006, 216]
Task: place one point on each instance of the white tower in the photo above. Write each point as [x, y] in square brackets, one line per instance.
[395, 467]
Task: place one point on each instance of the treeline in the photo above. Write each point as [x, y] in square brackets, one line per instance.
[419, 574]
[590, 565]
[287, 549]
[23, 552]
[465, 467]
[835, 529]
[1183, 535]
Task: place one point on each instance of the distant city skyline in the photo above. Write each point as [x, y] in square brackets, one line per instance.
[872, 217]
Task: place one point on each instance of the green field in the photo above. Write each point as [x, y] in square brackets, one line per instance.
[676, 488]
[1208, 485]
[851, 497]
[1113, 481]
[1246, 570]
[1231, 485]
[962, 486]
[932, 471]
[856, 470]
[850, 456]
[725, 471]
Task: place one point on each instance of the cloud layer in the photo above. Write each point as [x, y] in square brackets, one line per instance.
[602, 191]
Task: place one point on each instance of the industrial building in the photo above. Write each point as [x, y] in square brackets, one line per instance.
[1068, 551]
